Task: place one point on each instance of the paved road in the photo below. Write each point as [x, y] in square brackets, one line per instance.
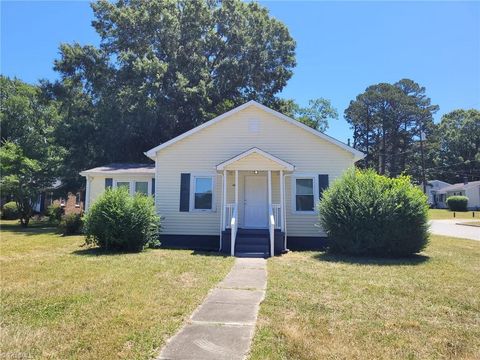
[222, 327]
[451, 228]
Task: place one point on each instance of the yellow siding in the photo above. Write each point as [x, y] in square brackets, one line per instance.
[97, 184]
[202, 151]
[254, 162]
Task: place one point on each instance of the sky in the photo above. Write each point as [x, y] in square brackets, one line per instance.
[342, 47]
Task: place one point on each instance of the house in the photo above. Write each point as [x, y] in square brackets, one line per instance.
[469, 189]
[432, 188]
[72, 203]
[245, 183]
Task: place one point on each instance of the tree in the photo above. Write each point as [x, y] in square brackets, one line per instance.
[387, 121]
[162, 68]
[317, 114]
[29, 156]
[459, 146]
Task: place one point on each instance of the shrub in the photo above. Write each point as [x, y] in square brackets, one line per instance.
[55, 213]
[118, 221]
[457, 203]
[364, 213]
[71, 224]
[10, 211]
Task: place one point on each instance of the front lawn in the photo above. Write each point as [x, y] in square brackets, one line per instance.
[324, 307]
[441, 214]
[62, 301]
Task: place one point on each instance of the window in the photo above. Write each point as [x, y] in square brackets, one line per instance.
[203, 193]
[141, 187]
[62, 202]
[77, 200]
[304, 194]
[124, 184]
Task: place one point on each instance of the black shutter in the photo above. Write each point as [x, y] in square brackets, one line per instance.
[322, 184]
[153, 187]
[185, 192]
[108, 183]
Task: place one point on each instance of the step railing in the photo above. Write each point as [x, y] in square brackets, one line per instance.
[271, 228]
[233, 229]
[228, 214]
[277, 215]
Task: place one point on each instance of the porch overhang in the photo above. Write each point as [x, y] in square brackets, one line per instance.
[255, 159]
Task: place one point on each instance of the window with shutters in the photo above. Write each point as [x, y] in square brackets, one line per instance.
[202, 193]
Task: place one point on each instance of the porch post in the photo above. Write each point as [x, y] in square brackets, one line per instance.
[236, 189]
[270, 188]
[224, 213]
[282, 197]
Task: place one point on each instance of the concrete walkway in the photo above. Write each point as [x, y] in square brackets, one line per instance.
[222, 327]
[452, 228]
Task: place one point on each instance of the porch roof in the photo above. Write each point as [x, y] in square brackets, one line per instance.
[255, 159]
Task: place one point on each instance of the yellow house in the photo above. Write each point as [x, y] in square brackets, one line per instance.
[245, 183]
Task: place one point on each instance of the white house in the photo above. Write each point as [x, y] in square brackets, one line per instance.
[245, 183]
[469, 189]
[432, 188]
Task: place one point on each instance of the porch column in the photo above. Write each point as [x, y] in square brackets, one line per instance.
[224, 210]
[270, 188]
[282, 197]
[236, 189]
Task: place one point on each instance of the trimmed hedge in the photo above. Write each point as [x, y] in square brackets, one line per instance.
[10, 211]
[457, 203]
[364, 213]
[119, 221]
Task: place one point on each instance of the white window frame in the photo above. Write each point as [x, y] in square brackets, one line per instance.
[314, 178]
[193, 183]
[131, 186]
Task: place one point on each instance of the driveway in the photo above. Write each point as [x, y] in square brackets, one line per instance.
[452, 228]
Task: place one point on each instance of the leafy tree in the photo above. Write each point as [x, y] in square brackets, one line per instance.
[317, 114]
[459, 146]
[388, 121]
[28, 153]
[163, 67]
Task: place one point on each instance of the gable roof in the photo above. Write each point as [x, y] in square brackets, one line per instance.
[260, 152]
[458, 186]
[358, 155]
[121, 168]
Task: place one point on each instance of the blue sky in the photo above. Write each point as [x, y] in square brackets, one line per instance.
[342, 47]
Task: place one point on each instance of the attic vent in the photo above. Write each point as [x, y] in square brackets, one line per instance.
[254, 126]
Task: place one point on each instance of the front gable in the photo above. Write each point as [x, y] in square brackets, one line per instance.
[259, 123]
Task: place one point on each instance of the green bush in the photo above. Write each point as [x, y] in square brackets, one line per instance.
[457, 203]
[71, 224]
[55, 213]
[364, 213]
[10, 211]
[118, 221]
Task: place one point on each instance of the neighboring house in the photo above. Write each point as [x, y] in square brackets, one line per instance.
[432, 188]
[469, 189]
[72, 203]
[245, 183]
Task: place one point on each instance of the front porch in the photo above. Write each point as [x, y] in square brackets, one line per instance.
[253, 204]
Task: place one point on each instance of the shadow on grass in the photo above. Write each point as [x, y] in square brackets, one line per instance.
[209, 253]
[96, 251]
[346, 259]
[32, 229]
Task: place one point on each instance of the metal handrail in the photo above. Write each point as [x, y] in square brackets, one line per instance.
[271, 228]
[233, 231]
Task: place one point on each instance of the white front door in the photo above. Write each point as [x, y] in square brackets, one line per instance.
[256, 209]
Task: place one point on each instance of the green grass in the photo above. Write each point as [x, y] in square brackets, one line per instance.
[441, 214]
[62, 301]
[319, 306]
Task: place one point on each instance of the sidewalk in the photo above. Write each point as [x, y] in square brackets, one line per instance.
[222, 327]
